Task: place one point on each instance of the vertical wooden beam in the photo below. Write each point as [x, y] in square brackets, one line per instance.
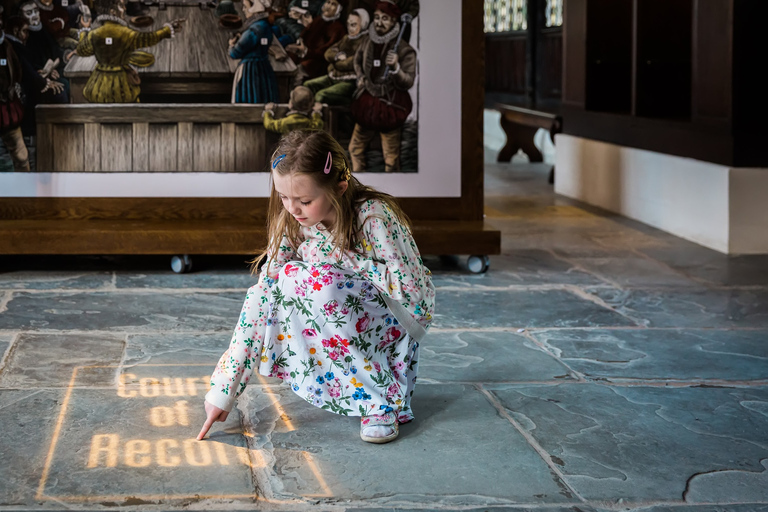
[248, 141]
[184, 160]
[92, 149]
[207, 147]
[140, 146]
[116, 147]
[531, 67]
[44, 147]
[472, 102]
[712, 62]
[575, 53]
[68, 139]
[635, 37]
[227, 147]
[163, 147]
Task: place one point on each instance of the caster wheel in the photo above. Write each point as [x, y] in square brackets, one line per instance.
[181, 264]
[478, 264]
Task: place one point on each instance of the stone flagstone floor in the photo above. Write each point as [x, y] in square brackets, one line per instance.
[599, 365]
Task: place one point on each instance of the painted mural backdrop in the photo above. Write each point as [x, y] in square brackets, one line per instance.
[347, 66]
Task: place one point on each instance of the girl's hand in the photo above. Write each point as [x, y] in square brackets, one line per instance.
[214, 414]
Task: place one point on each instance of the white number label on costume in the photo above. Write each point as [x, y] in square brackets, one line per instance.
[376, 63]
[109, 40]
[65, 3]
[264, 41]
[305, 3]
[3, 62]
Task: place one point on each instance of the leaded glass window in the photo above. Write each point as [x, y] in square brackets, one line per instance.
[505, 15]
[553, 13]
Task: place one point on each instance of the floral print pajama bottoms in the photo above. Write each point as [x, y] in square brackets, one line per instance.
[327, 332]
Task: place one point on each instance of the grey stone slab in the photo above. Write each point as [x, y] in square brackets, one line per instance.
[5, 342]
[127, 446]
[514, 308]
[751, 507]
[594, 251]
[743, 486]
[644, 443]
[712, 266]
[55, 279]
[524, 267]
[27, 423]
[538, 238]
[48, 360]
[537, 508]
[629, 238]
[689, 354]
[635, 272]
[486, 357]
[701, 307]
[457, 452]
[240, 279]
[123, 311]
[176, 348]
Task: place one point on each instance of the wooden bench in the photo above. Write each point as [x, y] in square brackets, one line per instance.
[520, 126]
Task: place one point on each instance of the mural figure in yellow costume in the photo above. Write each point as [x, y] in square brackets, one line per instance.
[115, 46]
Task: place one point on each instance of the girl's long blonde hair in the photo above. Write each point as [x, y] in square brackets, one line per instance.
[306, 152]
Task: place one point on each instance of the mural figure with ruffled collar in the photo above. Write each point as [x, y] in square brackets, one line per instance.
[386, 67]
[255, 80]
[116, 47]
[40, 44]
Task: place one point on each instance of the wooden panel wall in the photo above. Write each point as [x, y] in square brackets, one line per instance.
[575, 53]
[506, 55]
[550, 67]
[712, 62]
[183, 138]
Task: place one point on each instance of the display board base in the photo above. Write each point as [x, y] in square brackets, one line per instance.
[62, 236]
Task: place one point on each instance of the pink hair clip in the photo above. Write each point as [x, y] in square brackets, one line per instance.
[328, 164]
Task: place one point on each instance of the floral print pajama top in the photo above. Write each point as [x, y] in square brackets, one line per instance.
[342, 330]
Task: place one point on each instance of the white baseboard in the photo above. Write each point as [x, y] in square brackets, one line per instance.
[723, 208]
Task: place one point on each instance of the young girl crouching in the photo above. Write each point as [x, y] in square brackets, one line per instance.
[342, 300]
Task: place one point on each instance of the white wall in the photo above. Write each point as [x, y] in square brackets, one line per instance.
[716, 206]
[749, 211]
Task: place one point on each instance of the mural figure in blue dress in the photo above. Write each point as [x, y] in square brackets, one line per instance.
[255, 80]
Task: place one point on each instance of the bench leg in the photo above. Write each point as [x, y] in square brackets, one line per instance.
[519, 137]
